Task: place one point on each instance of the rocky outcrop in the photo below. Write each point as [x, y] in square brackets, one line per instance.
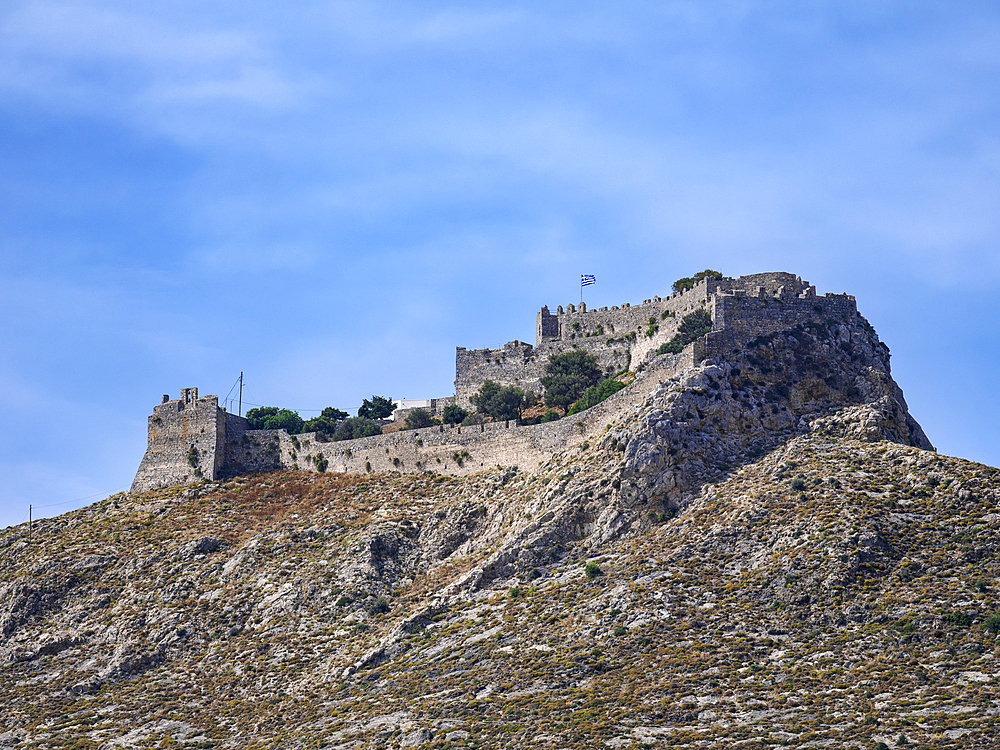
[761, 547]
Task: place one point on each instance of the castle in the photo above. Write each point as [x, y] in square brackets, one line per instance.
[192, 437]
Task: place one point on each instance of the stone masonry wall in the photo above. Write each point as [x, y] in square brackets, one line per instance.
[618, 337]
[740, 318]
[742, 309]
[457, 450]
[174, 427]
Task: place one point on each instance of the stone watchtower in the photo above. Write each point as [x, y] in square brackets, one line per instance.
[186, 442]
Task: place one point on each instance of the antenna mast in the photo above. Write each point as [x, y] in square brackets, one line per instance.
[239, 411]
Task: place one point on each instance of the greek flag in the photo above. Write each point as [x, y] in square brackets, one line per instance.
[586, 280]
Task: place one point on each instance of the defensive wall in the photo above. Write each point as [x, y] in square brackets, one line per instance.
[445, 449]
[185, 442]
[619, 337]
[192, 437]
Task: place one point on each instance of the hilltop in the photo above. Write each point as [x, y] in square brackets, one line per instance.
[750, 550]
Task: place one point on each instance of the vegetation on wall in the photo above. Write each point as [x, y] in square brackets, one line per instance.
[568, 375]
[693, 326]
[596, 394]
[688, 282]
[501, 403]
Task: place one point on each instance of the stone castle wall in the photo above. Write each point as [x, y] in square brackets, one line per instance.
[457, 450]
[742, 309]
[618, 337]
[175, 428]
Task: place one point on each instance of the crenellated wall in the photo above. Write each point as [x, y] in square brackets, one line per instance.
[619, 337]
[742, 309]
[185, 438]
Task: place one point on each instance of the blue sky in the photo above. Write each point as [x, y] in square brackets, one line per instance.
[332, 196]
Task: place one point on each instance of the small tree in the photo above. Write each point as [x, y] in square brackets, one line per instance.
[500, 402]
[419, 418]
[377, 407]
[688, 282]
[273, 418]
[568, 376]
[326, 423]
[357, 427]
[454, 414]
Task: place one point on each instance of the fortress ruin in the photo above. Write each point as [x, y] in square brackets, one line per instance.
[191, 438]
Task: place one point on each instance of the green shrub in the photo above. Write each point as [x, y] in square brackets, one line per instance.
[596, 394]
[959, 619]
[592, 569]
[619, 631]
[473, 419]
[693, 326]
[273, 418]
[326, 423]
[568, 375]
[321, 463]
[454, 414]
[500, 402]
[798, 484]
[992, 623]
[688, 282]
[419, 418]
[378, 607]
[357, 427]
[377, 407]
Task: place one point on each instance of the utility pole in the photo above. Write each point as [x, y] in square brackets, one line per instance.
[239, 411]
[29, 524]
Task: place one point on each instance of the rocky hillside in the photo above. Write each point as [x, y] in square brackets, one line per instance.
[764, 552]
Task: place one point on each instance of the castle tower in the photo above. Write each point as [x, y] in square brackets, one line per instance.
[186, 442]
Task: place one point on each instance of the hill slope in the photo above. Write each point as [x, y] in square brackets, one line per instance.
[770, 563]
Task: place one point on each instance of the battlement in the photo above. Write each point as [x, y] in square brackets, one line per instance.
[191, 437]
[185, 441]
[619, 337]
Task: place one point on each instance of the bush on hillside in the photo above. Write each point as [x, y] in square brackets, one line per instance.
[568, 376]
[596, 394]
[454, 414]
[693, 326]
[357, 427]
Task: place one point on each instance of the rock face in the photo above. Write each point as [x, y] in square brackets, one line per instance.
[764, 548]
